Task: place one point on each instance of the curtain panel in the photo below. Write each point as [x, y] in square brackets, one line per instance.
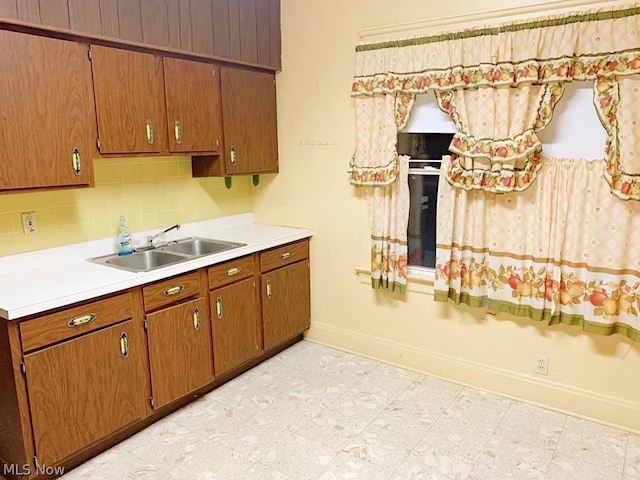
[562, 252]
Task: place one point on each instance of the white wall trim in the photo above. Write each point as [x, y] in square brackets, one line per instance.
[500, 15]
[419, 280]
[532, 388]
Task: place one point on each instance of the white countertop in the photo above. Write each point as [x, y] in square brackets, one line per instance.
[35, 282]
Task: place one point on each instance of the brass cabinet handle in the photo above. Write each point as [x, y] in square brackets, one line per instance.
[269, 289]
[124, 345]
[81, 320]
[177, 131]
[196, 318]
[232, 271]
[76, 162]
[171, 291]
[217, 142]
[233, 156]
[219, 307]
[149, 131]
[285, 255]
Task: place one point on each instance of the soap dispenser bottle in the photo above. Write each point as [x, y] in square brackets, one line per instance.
[125, 242]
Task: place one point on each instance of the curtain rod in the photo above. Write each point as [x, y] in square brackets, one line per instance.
[550, 7]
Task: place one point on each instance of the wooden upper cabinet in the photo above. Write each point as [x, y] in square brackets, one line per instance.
[48, 123]
[250, 123]
[85, 389]
[128, 89]
[194, 111]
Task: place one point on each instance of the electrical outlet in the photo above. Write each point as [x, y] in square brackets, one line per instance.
[542, 365]
[29, 224]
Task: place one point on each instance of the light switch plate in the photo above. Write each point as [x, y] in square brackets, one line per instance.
[29, 225]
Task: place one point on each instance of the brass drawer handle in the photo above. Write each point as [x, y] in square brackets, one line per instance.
[177, 131]
[232, 271]
[124, 345]
[149, 132]
[171, 291]
[196, 318]
[269, 289]
[285, 255]
[219, 307]
[82, 320]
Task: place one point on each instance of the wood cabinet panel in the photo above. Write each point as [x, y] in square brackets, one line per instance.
[286, 303]
[234, 30]
[248, 28]
[249, 119]
[220, 14]
[281, 256]
[84, 16]
[85, 389]
[171, 291]
[29, 11]
[109, 18]
[8, 9]
[180, 351]
[201, 22]
[54, 13]
[231, 271]
[129, 97]
[70, 323]
[263, 32]
[275, 39]
[130, 20]
[233, 311]
[37, 147]
[155, 22]
[194, 111]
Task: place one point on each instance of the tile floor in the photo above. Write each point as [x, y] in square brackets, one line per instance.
[317, 413]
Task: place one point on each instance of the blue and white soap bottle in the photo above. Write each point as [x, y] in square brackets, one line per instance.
[125, 242]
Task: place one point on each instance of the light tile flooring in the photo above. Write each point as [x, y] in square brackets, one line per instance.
[317, 413]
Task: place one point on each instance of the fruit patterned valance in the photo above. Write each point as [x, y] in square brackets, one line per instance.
[474, 72]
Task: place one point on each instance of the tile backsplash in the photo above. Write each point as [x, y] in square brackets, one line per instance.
[151, 192]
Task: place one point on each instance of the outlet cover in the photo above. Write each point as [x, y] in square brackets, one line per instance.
[29, 225]
[542, 365]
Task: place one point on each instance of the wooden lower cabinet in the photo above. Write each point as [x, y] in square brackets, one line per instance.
[286, 303]
[85, 389]
[234, 312]
[179, 340]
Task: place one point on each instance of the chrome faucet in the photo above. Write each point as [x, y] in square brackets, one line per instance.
[151, 238]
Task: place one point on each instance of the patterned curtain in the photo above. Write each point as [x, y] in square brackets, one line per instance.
[496, 147]
[377, 166]
[562, 252]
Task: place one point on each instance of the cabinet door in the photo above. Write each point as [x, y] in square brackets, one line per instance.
[82, 390]
[234, 312]
[180, 351]
[48, 115]
[129, 97]
[194, 112]
[286, 303]
[250, 127]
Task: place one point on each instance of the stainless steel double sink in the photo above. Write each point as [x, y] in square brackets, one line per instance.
[174, 252]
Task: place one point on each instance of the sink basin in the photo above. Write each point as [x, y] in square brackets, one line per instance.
[176, 252]
[198, 247]
[142, 261]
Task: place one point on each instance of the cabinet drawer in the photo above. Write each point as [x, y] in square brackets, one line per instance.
[281, 256]
[72, 322]
[229, 272]
[171, 291]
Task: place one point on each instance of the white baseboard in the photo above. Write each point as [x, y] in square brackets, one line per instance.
[614, 411]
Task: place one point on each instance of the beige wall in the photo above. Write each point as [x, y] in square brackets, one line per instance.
[588, 375]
